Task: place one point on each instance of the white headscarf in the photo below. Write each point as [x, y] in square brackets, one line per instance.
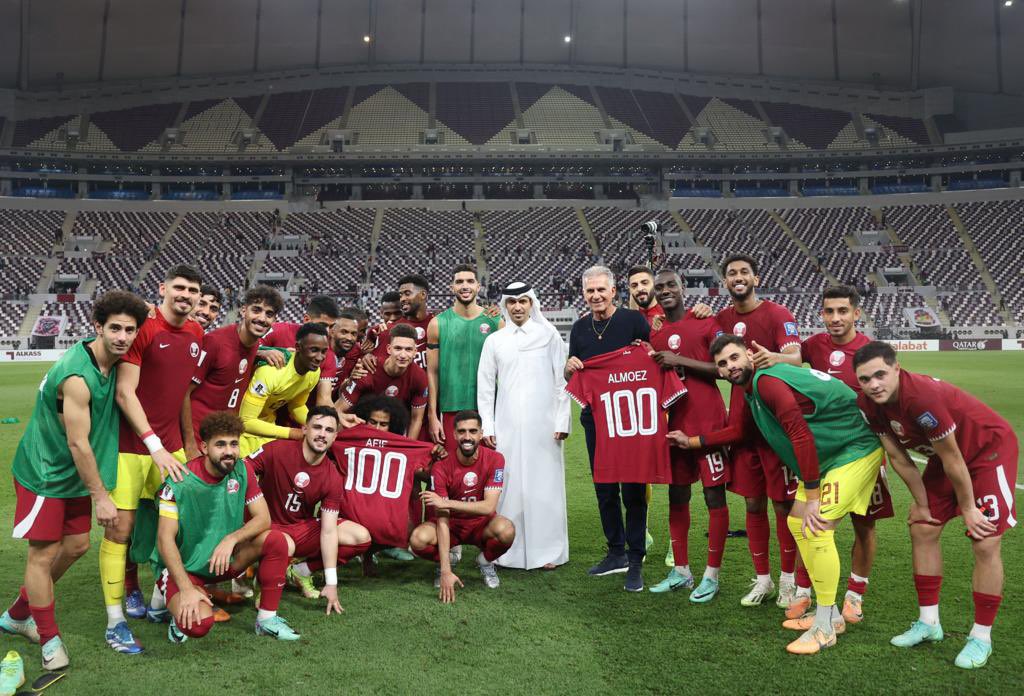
[542, 331]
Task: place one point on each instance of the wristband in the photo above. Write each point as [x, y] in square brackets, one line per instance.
[331, 576]
[152, 442]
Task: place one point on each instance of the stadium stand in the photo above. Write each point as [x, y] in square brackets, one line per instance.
[29, 232]
[132, 129]
[995, 229]
[559, 116]
[12, 314]
[825, 229]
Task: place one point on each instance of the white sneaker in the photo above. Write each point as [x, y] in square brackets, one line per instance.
[242, 586]
[489, 572]
[758, 594]
[787, 593]
[55, 655]
[455, 554]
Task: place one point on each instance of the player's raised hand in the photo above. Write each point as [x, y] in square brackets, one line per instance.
[169, 466]
[763, 357]
[665, 358]
[491, 311]
[349, 420]
[656, 323]
[368, 364]
[813, 523]
[271, 357]
[220, 559]
[448, 582]
[978, 526]
[438, 453]
[330, 593]
[106, 510]
[701, 311]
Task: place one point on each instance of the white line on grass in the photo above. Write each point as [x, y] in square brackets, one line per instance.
[921, 460]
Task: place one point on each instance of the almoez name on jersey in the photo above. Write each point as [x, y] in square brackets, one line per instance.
[630, 376]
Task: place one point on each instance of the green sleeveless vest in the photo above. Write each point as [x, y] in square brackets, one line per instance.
[461, 341]
[43, 462]
[841, 435]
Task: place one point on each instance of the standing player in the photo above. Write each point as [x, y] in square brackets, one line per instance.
[203, 536]
[971, 471]
[832, 352]
[152, 380]
[464, 492]
[66, 460]
[347, 350]
[454, 341]
[642, 294]
[412, 294]
[295, 478]
[208, 308]
[757, 474]
[390, 307]
[813, 423]
[321, 310]
[682, 344]
[398, 376]
[272, 388]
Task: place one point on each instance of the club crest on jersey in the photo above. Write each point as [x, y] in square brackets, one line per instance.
[193, 350]
[837, 358]
[420, 333]
[242, 364]
[674, 342]
[485, 329]
[233, 485]
[499, 475]
[790, 327]
[301, 479]
[897, 428]
[469, 480]
[739, 328]
[927, 421]
[392, 390]
[258, 388]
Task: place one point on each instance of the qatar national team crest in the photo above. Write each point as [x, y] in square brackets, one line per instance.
[301, 479]
[739, 329]
[420, 333]
[392, 390]
[485, 329]
[837, 358]
[194, 350]
[674, 342]
[233, 485]
[469, 480]
[242, 364]
[897, 428]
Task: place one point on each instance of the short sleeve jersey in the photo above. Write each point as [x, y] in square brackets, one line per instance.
[272, 387]
[410, 387]
[928, 409]
[452, 480]
[823, 354]
[291, 486]
[771, 325]
[167, 357]
[223, 374]
[651, 311]
[168, 506]
[628, 391]
[381, 351]
[702, 410]
[377, 468]
[281, 335]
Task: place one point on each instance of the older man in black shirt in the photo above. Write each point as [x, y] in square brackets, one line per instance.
[608, 328]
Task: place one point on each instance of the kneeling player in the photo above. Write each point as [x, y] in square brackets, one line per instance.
[971, 471]
[465, 488]
[202, 539]
[296, 476]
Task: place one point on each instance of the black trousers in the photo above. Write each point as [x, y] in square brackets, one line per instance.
[611, 497]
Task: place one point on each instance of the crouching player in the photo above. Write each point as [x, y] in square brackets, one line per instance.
[464, 491]
[812, 422]
[971, 471]
[295, 477]
[203, 538]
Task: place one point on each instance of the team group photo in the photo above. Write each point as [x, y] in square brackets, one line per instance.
[393, 381]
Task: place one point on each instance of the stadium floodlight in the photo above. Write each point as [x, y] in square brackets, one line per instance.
[1008, 3]
[366, 38]
[567, 38]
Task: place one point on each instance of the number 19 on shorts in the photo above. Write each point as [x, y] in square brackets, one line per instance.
[631, 413]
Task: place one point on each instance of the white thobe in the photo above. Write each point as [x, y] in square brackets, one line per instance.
[522, 402]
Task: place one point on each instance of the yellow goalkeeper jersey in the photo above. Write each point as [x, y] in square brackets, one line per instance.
[270, 389]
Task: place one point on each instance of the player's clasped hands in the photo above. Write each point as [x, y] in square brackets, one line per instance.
[448, 582]
[330, 593]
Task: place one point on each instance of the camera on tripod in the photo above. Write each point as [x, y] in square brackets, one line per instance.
[649, 230]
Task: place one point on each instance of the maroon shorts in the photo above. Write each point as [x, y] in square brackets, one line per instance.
[170, 588]
[305, 534]
[993, 489]
[880, 507]
[38, 518]
[469, 530]
[756, 471]
[710, 467]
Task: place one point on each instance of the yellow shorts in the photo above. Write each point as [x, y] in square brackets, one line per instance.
[137, 477]
[247, 444]
[847, 488]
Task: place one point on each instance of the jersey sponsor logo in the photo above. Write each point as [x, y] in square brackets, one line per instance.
[233, 486]
[836, 358]
[301, 479]
[629, 376]
[927, 421]
[485, 329]
[193, 350]
[674, 342]
[392, 390]
[242, 364]
[420, 333]
[258, 388]
[739, 328]
[499, 475]
[790, 327]
[469, 480]
[897, 428]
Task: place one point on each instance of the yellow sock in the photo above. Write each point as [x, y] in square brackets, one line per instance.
[112, 559]
[794, 524]
[825, 569]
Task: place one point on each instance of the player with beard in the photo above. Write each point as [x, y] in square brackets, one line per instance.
[640, 280]
[208, 308]
[455, 338]
[464, 491]
[832, 352]
[347, 351]
[683, 344]
[757, 472]
[413, 291]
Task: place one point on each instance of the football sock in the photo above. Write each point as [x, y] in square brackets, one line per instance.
[347, 553]
[302, 569]
[115, 615]
[821, 558]
[711, 573]
[684, 570]
[928, 587]
[273, 565]
[19, 611]
[823, 616]
[112, 557]
[718, 530]
[679, 531]
[264, 614]
[131, 577]
[157, 601]
[985, 608]
[758, 531]
[494, 548]
[787, 577]
[46, 622]
[803, 580]
[787, 545]
[857, 586]
[428, 552]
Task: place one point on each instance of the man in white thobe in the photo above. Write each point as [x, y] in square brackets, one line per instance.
[525, 414]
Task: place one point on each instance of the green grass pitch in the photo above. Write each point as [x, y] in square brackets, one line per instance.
[554, 632]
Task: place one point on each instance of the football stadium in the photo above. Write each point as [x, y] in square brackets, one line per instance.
[604, 346]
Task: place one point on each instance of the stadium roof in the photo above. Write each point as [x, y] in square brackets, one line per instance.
[903, 44]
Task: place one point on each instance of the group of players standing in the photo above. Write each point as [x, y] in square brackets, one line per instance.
[203, 463]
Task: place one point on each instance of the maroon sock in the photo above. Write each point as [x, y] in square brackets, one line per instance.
[273, 564]
[985, 608]
[19, 611]
[494, 548]
[718, 531]
[46, 622]
[131, 577]
[347, 553]
[803, 580]
[857, 586]
[758, 531]
[928, 587]
[428, 552]
[679, 531]
[787, 544]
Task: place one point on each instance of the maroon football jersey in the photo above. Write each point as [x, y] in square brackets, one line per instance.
[451, 479]
[627, 392]
[167, 357]
[410, 387]
[222, 376]
[823, 354]
[771, 325]
[378, 468]
[281, 335]
[291, 486]
[381, 351]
